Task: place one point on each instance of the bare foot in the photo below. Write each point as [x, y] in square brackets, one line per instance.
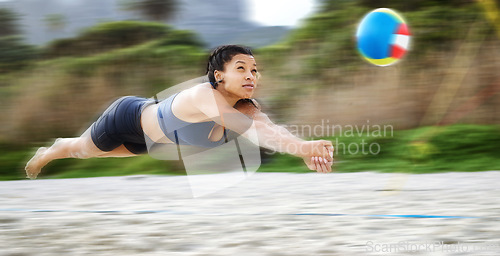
[33, 167]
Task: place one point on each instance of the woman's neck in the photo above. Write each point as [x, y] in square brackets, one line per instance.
[230, 98]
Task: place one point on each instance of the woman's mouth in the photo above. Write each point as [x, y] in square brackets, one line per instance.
[248, 86]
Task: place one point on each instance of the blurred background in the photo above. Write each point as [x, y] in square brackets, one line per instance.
[63, 61]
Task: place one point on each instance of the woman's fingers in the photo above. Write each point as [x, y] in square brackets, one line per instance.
[317, 167]
[330, 150]
[310, 164]
[327, 166]
[324, 165]
[327, 150]
[319, 164]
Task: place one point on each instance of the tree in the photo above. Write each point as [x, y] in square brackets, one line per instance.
[55, 22]
[8, 23]
[14, 54]
[157, 10]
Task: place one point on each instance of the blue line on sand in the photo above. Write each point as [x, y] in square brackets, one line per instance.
[225, 214]
[392, 216]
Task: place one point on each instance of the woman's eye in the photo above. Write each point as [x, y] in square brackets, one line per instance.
[241, 68]
[254, 70]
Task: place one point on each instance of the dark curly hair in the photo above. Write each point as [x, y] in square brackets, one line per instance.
[220, 56]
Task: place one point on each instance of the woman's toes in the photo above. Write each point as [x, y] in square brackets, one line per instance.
[33, 166]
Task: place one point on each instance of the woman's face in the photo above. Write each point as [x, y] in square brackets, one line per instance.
[239, 76]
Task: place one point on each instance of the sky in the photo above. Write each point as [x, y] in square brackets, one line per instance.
[280, 12]
[277, 12]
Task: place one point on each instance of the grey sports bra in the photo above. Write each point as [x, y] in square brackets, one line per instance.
[185, 133]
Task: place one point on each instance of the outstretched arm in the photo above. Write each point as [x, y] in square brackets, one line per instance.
[316, 154]
[311, 151]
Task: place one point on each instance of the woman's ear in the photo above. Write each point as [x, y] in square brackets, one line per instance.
[219, 75]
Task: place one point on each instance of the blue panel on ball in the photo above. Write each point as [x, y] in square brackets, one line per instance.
[374, 35]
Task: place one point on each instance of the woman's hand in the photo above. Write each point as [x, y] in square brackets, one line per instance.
[319, 163]
[319, 148]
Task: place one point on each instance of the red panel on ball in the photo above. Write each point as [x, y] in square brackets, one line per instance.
[397, 52]
[403, 30]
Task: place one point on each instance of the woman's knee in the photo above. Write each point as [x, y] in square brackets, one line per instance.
[83, 148]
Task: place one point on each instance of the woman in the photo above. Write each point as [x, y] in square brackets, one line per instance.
[204, 115]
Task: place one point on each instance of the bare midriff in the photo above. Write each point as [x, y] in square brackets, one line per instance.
[150, 125]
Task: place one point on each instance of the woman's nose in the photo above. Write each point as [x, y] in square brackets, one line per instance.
[250, 76]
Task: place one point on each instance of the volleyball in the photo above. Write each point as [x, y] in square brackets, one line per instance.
[382, 37]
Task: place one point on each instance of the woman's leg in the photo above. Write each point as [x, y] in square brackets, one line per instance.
[81, 147]
[109, 133]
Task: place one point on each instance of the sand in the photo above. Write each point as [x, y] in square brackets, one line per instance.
[363, 213]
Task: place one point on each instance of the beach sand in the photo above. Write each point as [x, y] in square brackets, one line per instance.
[365, 213]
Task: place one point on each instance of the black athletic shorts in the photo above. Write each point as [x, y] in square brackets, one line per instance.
[121, 124]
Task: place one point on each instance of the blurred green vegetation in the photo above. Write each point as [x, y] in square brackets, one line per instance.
[322, 53]
[107, 61]
[150, 53]
[15, 54]
[455, 148]
[326, 39]
[119, 34]
[143, 58]
[9, 22]
[158, 10]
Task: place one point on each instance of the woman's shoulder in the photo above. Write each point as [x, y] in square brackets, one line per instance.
[200, 90]
[201, 96]
[203, 93]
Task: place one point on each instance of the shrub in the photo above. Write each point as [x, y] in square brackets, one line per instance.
[14, 54]
[181, 37]
[107, 36]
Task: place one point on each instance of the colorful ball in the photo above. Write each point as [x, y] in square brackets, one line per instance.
[382, 37]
